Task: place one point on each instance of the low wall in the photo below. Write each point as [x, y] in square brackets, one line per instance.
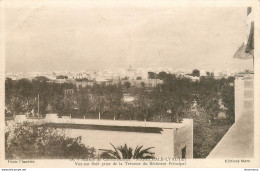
[168, 139]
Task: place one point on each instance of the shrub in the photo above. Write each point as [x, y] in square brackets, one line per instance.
[28, 141]
[125, 152]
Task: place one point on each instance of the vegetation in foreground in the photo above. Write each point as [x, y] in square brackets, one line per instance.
[28, 141]
[125, 152]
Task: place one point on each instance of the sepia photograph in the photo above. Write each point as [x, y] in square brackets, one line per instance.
[127, 81]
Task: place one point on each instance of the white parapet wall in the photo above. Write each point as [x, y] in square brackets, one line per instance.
[168, 139]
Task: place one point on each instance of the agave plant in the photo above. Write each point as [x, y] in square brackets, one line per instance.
[125, 152]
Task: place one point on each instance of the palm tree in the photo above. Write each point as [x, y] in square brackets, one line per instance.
[125, 152]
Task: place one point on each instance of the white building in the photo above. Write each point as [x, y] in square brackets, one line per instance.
[168, 139]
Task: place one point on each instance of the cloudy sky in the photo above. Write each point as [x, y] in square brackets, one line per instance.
[79, 37]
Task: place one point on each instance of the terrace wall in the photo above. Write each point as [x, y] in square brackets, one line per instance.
[168, 139]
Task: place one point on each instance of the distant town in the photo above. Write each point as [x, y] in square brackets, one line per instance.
[113, 76]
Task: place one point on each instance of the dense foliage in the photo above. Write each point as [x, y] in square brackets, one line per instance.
[28, 141]
[125, 152]
[177, 98]
[21, 95]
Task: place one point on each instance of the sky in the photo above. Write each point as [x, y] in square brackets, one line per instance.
[75, 37]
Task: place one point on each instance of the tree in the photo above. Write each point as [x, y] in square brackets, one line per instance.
[41, 79]
[114, 104]
[228, 100]
[127, 85]
[143, 105]
[28, 141]
[162, 75]
[139, 78]
[125, 152]
[128, 111]
[210, 74]
[83, 104]
[62, 77]
[98, 105]
[9, 87]
[195, 73]
[231, 79]
[151, 75]
[142, 84]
